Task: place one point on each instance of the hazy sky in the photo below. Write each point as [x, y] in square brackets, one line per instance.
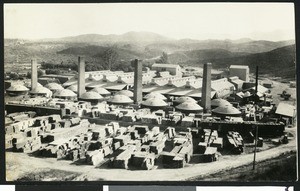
[267, 21]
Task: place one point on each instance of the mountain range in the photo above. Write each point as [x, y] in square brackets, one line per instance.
[269, 55]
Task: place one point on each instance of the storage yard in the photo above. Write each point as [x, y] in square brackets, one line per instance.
[151, 125]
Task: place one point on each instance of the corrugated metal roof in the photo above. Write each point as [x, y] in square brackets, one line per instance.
[239, 66]
[163, 89]
[165, 65]
[180, 92]
[219, 85]
[261, 89]
[198, 93]
[286, 109]
[115, 86]
[149, 89]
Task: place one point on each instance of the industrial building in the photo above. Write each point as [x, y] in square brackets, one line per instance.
[141, 119]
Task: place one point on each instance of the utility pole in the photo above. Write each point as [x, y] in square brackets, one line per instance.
[256, 127]
[255, 145]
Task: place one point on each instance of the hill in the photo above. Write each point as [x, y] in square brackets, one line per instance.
[240, 45]
[149, 46]
[129, 37]
[278, 62]
[182, 56]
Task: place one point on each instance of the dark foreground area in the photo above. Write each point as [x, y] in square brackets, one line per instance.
[282, 168]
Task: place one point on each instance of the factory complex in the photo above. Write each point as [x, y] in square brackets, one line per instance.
[159, 117]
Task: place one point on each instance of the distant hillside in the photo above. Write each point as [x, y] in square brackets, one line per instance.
[241, 45]
[271, 56]
[97, 51]
[278, 62]
[182, 56]
[129, 37]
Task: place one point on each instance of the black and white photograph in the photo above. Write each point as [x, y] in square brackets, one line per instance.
[150, 92]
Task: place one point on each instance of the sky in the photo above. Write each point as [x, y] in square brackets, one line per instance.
[259, 21]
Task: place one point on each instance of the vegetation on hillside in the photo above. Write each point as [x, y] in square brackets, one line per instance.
[116, 51]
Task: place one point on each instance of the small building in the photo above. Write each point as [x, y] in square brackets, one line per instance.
[54, 86]
[183, 99]
[217, 74]
[17, 89]
[155, 95]
[91, 96]
[154, 103]
[222, 87]
[267, 84]
[65, 94]
[173, 69]
[293, 84]
[238, 83]
[286, 112]
[189, 107]
[242, 71]
[227, 110]
[41, 91]
[120, 100]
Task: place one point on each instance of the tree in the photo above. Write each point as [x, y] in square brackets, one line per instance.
[163, 58]
[110, 57]
[39, 72]
[14, 76]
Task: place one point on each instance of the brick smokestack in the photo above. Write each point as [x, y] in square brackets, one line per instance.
[34, 75]
[81, 76]
[138, 77]
[206, 88]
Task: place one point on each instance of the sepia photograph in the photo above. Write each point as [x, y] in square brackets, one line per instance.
[150, 92]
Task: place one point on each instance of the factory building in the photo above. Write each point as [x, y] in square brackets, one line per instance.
[241, 71]
[173, 69]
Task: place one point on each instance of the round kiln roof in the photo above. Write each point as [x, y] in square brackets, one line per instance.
[101, 91]
[154, 102]
[227, 110]
[120, 99]
[91, 95]
[189, 106]
[28, 84]
[73, 88]
[65, 93]
[17, 88]
[155, 95]
[40, 90]
[54, 86]
[125, 92]
[219, 102]
[184, 99]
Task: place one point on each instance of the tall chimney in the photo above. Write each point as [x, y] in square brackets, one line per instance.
[206, 88]
[256, 85]
[138, 77]
[81, 76]
[34, 77]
